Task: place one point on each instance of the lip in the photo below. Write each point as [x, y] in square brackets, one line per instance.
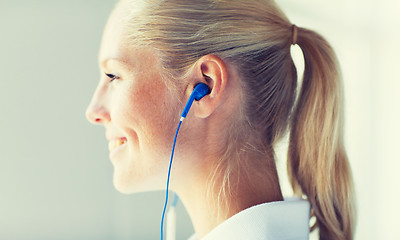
[114, 153]
[110, 137]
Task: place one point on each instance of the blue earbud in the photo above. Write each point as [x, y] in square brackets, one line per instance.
[198, 93]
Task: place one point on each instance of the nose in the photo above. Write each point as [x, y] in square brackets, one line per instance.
[97, 112]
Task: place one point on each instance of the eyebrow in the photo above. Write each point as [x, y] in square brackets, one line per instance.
[104, 62]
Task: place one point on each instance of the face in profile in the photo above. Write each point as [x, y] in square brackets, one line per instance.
[134, 105]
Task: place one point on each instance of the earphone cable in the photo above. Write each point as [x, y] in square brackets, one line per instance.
[169, 173]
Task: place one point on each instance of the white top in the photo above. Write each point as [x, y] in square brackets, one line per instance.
[282, 220]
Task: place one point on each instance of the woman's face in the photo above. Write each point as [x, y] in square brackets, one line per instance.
[136, 108]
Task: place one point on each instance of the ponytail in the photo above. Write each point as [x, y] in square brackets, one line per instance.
[317, 162]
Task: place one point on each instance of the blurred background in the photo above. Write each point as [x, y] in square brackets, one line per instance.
[55, 176]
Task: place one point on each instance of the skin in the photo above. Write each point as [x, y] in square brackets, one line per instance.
[139, 107]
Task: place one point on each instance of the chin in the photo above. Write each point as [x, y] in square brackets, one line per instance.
[122, 188]
[123, 183]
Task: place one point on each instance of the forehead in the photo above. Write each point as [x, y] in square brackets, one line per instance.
[113, 36]
[115, 42]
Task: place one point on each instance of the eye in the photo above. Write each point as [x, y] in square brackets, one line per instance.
[111, 76]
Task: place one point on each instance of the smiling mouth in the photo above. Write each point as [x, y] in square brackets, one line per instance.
[114, 144]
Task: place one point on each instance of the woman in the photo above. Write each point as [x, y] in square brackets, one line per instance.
[155, 52]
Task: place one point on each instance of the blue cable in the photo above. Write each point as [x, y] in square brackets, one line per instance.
[169, 173]
[199, 91]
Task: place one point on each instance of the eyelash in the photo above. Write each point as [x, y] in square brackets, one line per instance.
[112, 77]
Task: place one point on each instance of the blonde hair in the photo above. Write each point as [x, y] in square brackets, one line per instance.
[255, 36]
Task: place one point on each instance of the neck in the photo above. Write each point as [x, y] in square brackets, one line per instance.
[208, 207]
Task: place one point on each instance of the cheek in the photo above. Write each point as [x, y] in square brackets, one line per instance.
[149, 113]
[148, 117]
[157, 119]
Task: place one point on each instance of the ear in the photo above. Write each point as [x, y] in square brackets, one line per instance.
[211, 70]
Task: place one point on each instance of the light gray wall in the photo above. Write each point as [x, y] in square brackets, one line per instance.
[55, 176]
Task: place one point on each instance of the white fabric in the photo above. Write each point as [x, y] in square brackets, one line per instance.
[285, 220]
